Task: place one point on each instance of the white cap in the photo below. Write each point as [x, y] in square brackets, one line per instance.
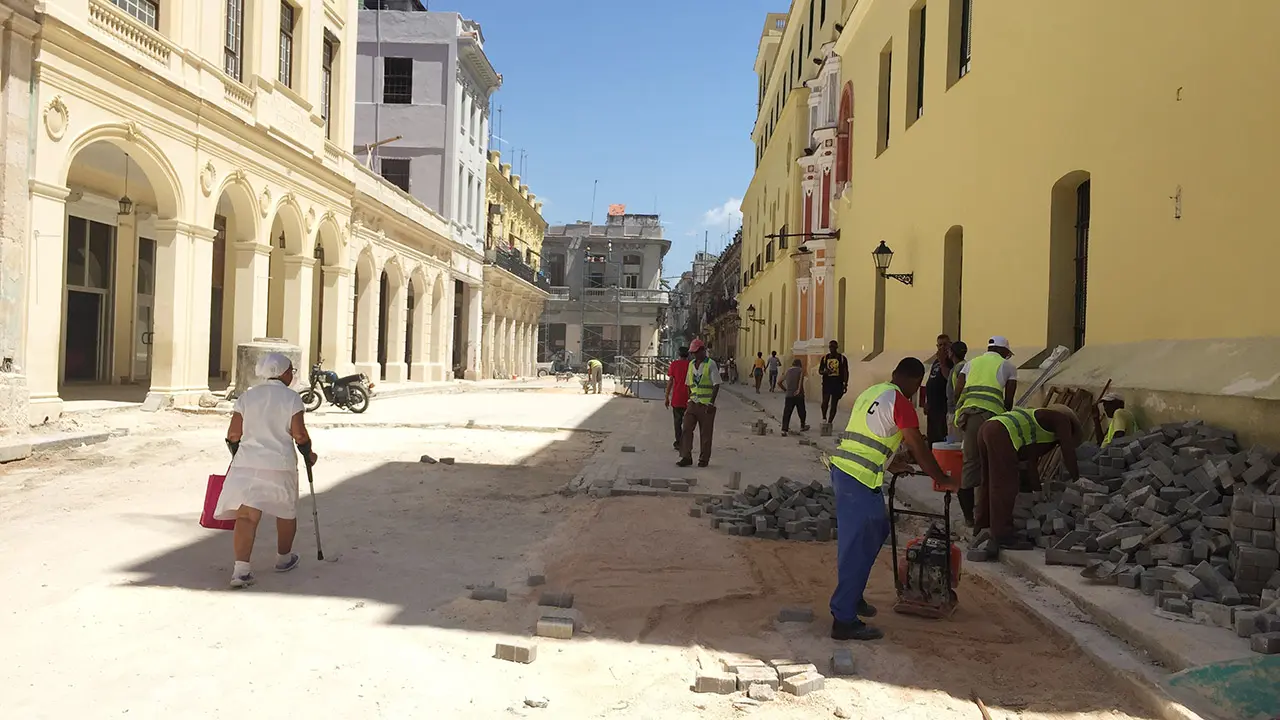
[1112, 397]
[999, 341]
[273, 365]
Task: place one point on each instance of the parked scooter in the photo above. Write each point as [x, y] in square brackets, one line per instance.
[350, 392]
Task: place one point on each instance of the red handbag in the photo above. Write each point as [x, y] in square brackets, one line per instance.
[211, 493]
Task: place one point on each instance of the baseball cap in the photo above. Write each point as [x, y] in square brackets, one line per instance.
[696, 345]
[999, 341]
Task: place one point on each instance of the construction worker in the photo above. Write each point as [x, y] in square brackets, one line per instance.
[1004, 441]
[1122, 421]
[959, 350]
[704, 386]
[595, 376]
[882, 419]
[985, 389]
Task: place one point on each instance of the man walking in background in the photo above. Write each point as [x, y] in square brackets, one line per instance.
[793, 387]
[772, 365]
[834, 369]
[703, 380]
[933, 397]
[678, 392]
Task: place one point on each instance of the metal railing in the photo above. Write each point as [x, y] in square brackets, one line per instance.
[511, 261]
[626, 295]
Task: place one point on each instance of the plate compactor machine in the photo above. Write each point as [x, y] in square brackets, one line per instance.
[927, 575]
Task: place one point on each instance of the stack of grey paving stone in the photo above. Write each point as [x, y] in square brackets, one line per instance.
[1215, 561]
[784, 510]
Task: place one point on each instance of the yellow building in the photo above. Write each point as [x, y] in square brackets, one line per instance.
[514, 292]
[973, 142]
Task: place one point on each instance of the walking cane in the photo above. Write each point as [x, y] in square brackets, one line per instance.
[315, 513]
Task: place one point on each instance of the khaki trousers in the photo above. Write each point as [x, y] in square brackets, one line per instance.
[702, 417]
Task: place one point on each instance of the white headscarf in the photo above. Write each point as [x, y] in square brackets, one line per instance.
[273, 365]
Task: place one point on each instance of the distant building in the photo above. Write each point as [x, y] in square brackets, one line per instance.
[717, 304]
[606, 292]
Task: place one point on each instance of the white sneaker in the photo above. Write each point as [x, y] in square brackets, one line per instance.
[242, 581]
[288, 565]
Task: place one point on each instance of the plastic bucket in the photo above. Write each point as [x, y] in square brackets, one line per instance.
[950, 458]
[211, 493]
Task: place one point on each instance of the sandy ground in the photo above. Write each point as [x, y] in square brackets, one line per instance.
[115, 603]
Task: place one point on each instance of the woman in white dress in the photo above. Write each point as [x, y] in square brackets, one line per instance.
[263, 478]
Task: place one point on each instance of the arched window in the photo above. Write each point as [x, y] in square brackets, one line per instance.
[844, 129]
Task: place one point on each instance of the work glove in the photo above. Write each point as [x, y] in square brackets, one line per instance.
[233, 446]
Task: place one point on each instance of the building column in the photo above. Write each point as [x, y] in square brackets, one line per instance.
[421, 338]
[335, 345]
[299, 274]
[487, 363]
[397, 317]
[366, 340]
[511, 349]
[526, 361]
[180, 344]
[471, 353]
[45, 273]
[249, 316]
[499, 347]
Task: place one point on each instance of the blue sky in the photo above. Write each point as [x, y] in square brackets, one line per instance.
[656, 100]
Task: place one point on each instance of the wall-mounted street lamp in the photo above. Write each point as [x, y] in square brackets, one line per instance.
[751, 318]
[125, 204]
[883, 257]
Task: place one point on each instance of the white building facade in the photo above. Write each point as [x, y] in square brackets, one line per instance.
[192, 190]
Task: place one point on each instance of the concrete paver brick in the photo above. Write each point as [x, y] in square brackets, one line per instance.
[695, 512]
[735, 480]
[842, 662]
[536, 580]
[804, 683]
[715, 681]
[556, 599]
[1265, 643]
[735, 665]
[679, 486]
[659, 482]
[1176, 605]
[795, 614]
[761, 692]
[786, 671]
[521, 652]
[559, 628]
[496, 594]
[569, 614]
[761, 674]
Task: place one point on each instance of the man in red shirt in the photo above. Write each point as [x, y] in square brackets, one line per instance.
[678, 391]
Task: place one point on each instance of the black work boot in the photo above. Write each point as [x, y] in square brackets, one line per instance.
[854, 631]
[866, 609]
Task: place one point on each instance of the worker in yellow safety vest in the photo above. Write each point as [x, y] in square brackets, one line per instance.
[882, 419]
[985, 389]
[703, 379]
[1122, 423]
[1005, 441]
[595, 376]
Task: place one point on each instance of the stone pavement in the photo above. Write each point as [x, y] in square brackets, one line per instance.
[649, 431]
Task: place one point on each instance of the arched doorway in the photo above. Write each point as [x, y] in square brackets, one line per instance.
[1069, 259]
[391, 323]
[236, 258]
[844, 136]
[118, 273]
[440, 327]
[383, 298]
[952, 281]
[365, 311]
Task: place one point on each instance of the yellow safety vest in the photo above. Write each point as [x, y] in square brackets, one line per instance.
[982, 388]
[861, 453]
[700, 391]
[1024, 429]
[1130, 425]
[594, 363]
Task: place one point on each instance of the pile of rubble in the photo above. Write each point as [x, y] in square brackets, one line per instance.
[786, 509]
[1179, 512]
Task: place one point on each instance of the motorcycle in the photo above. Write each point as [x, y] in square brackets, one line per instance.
[350, 392]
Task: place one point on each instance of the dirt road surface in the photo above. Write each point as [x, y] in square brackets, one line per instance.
[115, 602]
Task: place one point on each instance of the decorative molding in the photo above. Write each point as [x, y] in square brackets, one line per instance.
[264, 202]
[132, 131]
[56, 118]
[208, 174]
[48, 190]
[311, 219]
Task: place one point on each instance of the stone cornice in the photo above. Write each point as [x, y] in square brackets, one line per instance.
[48, 190]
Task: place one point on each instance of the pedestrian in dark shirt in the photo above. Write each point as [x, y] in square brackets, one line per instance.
[834, 369]
[793, 386]
[933, 395]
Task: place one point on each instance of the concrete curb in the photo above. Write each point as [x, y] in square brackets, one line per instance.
[67, 441]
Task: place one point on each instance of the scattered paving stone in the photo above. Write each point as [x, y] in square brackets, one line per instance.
[842, 662]
[447, 461]
[757, 674]
[629, 448]
[536, 702]
[536, 580]
[715, 681]
[840, 712]
[1266, 643]
[803, 684]
[496, 594]
[573, 616]
[795, 615]
[427, 459]
[761, 692]
[558, 628]
[517, 652]
[786, 671]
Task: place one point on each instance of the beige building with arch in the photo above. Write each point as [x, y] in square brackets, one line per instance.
[1094, 175]
[191, 190]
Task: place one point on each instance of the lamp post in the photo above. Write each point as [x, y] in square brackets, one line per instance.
[883, 256]
[751, 317]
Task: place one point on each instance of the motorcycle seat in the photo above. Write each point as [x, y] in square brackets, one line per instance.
[350, 379]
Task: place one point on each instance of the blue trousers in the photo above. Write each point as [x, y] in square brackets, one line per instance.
[863, 525]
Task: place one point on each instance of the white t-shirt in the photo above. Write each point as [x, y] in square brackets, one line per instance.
[890, 412]
[707, 366]
[772, 363]
[1006, 372]
[268, 411]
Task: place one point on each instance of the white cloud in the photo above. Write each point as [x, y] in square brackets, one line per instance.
[691, 233]
[728, 213]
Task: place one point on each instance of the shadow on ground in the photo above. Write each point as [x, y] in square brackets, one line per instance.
[413, 536]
